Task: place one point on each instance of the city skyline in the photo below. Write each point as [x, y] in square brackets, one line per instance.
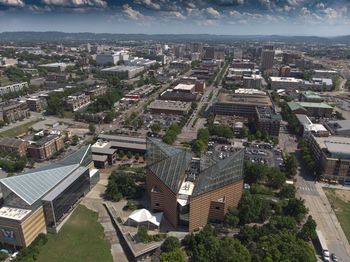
[222, 17]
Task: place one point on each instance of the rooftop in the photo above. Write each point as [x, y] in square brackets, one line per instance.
[339, 125]
[33, 185]
[170, 105]
[335, 146]
[184, 87]
[285, 79]
[13, 213]
[297, 105]
[121, 68]
[11, 142]
[249, 98]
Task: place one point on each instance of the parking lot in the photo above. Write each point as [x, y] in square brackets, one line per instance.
[256, 153]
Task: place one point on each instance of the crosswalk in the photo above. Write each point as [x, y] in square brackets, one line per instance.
[307, 188]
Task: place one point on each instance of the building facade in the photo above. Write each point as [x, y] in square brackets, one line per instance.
[13, 145]
[191, 192]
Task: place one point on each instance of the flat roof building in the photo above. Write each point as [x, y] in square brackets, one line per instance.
[339, 127]
[169, 107]
[311, 109]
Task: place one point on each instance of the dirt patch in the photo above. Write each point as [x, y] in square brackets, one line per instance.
[343, 195]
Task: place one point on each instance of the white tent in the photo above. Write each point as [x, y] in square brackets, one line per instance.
[143, 216]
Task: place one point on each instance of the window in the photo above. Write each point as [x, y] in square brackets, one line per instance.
[218, 208]
[157, 204]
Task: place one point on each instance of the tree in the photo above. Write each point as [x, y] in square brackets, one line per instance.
[198, 146]
[231, 250]
[291, 165]
[295, 208]
[245, 132]
[203, 134]
[143, 234]
[276, 178]
[170, 244]
[308, 231]
[75, 140]
[287, 191]
[156, 128]
[254, 173]
[232, 217]
[253, 208]
[92, 128]
[174, 256]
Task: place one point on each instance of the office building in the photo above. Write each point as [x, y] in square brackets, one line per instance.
[319, 84]
[253, 81]
[332, 156]
[191, 192]
[169, 107]
[13, 88]
[182, 65]
[267, 59]
[139, 61]
[242, 103]
[124, 72]
[111, 57]
[238, 53]
[285, 83]
[50, 194]
[13, 145]
[173, 95]
[268, 121]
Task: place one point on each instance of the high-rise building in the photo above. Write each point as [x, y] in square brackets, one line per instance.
[237, 54]
[267, 57]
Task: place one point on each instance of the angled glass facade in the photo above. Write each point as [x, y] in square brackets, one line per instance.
[63, 198]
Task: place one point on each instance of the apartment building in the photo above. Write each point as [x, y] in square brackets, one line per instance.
[45, 147]
[78, 101]
[13, 145]
[36, 104]
[13, 88]
[12, 111]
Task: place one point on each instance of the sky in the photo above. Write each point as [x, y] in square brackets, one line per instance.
[221, 17]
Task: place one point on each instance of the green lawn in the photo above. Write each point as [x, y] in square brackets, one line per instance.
[342, 210]
[18, 130]
[80, 239]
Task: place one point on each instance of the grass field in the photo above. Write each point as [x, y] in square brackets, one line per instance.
[80, 239]
[18, 130]
[339, 199]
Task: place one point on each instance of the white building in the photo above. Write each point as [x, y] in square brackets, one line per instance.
[111, 57]
[13, 88]
[285, 83]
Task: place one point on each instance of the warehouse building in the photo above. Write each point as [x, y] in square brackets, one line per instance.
[25, 212]
[191, 192]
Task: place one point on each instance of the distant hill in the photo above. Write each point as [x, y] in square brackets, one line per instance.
[63, 37]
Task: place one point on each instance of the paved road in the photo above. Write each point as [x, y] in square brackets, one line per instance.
[321, 210]
[317, 202]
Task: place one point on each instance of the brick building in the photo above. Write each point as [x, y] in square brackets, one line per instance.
[45, 147]
[191, 192]
[12, 111]
[13, 145]
[96, 91]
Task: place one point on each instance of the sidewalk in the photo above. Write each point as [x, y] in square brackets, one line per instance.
[340, 233]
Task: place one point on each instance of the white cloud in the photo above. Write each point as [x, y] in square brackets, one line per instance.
[76, 3]
[131, 13]
[148, 3]
[213, 13]
[14, 3]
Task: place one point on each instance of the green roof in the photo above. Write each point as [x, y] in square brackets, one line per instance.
[294, 105]
[311, 94]
[319, 105]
